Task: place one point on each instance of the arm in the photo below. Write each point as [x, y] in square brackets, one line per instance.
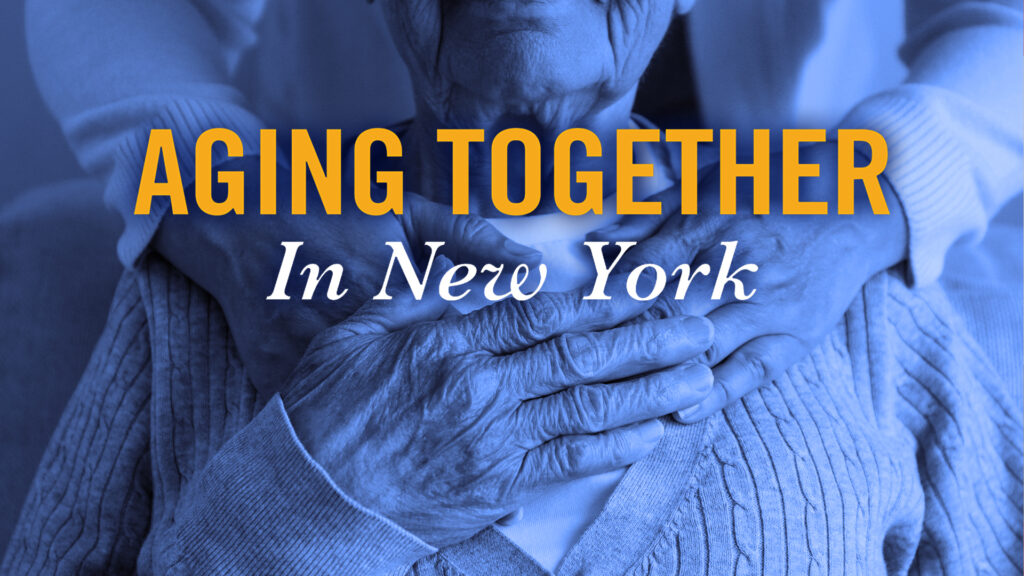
[114, 69]
[954, 136]
[954, 126]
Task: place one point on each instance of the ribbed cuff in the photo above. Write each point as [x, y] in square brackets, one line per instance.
[187, 119]
[264, 506]
[929, 173]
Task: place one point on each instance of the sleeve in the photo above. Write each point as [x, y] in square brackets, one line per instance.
[263, 494]
[89, 506]
[112, 70]
[954, 127]
[260, 505]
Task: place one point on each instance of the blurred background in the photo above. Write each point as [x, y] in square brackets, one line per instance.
[38, 369]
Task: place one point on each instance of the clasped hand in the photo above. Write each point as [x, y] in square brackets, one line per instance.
[444, 424]
[809, 270]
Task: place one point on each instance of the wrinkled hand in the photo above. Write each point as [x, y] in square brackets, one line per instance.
[236, 259]
[445, 425]
[810, 269]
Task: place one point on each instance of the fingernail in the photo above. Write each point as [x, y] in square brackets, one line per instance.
[685, 416]
[652, 431]
[699, 328]
[701, 378]
[521, 251]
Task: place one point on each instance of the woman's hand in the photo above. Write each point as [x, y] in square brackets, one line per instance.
[809, 270]
[444, 425]
[236, 259]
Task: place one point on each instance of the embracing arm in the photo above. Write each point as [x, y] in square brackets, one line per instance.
[111, 70]
[954, 126]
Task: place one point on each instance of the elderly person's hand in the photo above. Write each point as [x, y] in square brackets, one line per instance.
[445, 425]
[810, 269]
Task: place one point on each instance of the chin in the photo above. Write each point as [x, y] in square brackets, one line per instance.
[527, 67]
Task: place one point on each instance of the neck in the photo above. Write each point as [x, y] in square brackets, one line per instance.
[431, 162]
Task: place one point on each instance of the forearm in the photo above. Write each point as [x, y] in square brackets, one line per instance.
[954, 128]
[112, 70]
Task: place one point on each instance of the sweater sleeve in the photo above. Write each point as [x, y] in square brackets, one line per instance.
[112, 70]
[954, 127]
[88, 510]
[263, 493]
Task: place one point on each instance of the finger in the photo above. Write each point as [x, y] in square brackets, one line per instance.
[695, 288]
[591, 357]
[736, 323]
[636, 227]
[512, 325]
[754, 364]
[468, 238]
[592, 408]
[570, 457]
[401, 310]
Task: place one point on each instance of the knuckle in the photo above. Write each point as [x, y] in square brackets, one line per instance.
[571, 458]
[652, 343]
[658, 390]
[701, 231]
[665, 308]
[578, 355]
[589, 408]
[621, 449]
[475, 227]
[537, 319]
[758, 368]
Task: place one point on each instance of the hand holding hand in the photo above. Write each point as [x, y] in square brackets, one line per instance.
[445, 425]
[810, 269]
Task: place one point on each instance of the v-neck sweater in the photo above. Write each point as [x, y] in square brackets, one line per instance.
[890, 449]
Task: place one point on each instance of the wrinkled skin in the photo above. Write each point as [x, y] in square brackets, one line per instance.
[543, 65]
[445, 425]
[810, 269]
[555, 60]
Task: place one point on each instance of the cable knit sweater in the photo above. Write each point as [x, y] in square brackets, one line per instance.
[890, 449]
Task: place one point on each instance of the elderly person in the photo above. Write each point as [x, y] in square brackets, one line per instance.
[407, 430]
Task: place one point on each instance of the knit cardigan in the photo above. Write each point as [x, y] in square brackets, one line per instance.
[890, 449]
